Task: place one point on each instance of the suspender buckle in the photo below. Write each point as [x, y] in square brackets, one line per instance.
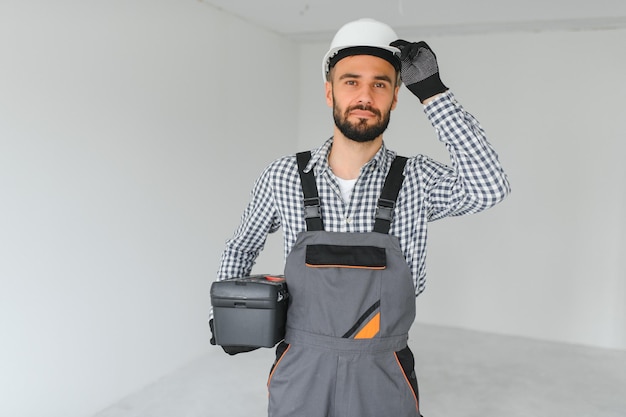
[312, 208]
[384, 209]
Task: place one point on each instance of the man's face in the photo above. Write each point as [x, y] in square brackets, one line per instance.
[362, 93]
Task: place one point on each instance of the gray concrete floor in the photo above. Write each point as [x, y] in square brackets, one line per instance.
[460, 372]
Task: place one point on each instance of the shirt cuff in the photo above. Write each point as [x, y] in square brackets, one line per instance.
[443, 110]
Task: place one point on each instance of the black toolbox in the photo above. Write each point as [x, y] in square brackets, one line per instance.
[249, 311]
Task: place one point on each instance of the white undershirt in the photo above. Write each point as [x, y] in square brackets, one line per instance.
[346, 187]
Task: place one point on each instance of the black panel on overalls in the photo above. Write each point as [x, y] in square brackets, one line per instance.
[352, 302]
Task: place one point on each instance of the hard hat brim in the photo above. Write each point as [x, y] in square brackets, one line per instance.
[389, 53]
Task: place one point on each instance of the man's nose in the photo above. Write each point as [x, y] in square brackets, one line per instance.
[365, 95]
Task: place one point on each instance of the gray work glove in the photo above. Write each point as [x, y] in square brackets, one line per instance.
[419, 71]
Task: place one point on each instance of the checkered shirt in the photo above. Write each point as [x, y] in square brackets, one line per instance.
[475, 181]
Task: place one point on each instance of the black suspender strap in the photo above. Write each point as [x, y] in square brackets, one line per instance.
[312, 206]
[389, 195]
[386, 202]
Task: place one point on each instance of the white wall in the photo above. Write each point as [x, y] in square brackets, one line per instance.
[548, 262]
[130, 134]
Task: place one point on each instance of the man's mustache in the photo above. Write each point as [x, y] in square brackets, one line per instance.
[365, 108]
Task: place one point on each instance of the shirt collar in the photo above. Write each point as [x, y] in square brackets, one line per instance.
[319, 158]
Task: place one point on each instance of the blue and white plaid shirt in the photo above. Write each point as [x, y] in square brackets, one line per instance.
[475, 181]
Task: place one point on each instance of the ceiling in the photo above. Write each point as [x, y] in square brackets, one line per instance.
[315, 20]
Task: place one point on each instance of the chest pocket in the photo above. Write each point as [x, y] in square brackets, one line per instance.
[340, 256]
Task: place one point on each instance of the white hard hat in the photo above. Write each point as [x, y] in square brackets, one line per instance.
[366, 33]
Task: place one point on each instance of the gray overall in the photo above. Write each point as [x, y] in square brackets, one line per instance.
[352, 296]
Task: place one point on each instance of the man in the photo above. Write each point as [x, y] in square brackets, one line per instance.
[354, 218]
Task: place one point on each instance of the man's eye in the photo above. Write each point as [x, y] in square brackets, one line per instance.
[379, 85]
[351, 82]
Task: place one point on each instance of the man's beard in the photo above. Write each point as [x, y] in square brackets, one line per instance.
[360, 131]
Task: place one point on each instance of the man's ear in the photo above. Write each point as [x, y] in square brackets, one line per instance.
[329, 93]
